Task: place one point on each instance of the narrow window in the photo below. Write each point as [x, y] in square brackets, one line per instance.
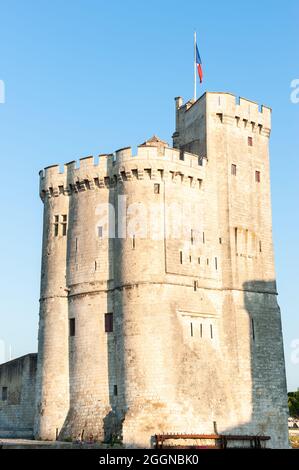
[95, 265]
[107, 181]
[234, 169]
[208, 261]
[199, 183]
[220, 240]
[72, 326]
[108, 322]
[216, 264]
[134, 173]
[181, 257]
[195, 285]
[236, 238]
[260, 246]
[182, 156]
[250, 141]
[133, 242]
[192, 237]
[156, 188]
[100, 232]
[252, 329]
[76, 245]
[257, 176]
[87, 184]
[200, 329]
[211, 331]
[115, 390]
[51, 191]
[96, 182]
[198, 260]
[56, 229]
[4, 393]
[61, 189]
[200, 161]
[191, 329]
[64, 225]
[190, 258]
[203, 237]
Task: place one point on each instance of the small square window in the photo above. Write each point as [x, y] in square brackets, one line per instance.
[234, 169]
[250, 141]
[258, 176]
[72, 326]
[4, 393]
[108, 322]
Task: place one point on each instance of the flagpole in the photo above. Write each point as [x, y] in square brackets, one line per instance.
[194, 95]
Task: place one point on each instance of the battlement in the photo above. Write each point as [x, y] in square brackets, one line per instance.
[89, 172]
[233, 109]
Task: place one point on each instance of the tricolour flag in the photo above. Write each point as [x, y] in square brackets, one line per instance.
[198, 64]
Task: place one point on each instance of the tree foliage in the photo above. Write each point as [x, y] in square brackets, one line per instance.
[293, 402]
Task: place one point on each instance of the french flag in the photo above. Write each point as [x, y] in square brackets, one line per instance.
[198, 64]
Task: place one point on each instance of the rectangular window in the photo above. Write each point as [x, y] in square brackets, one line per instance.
[64, 224]
[203, 237]
[191, 329]
[200, 330]
[216, 264]
[220, 240]
[72, 326]
[100, 232]
[258, 176]
[236, 238]
[133, 242]
[208, 261]
[108, 322]
[115, 390]
[250, 141]
[96, 182]
[87, 184]
[195, 285]
[4, 393]
[198, 259]
[56, 230]
[156, 188]
[182, 156]
[260, 246]
[181, 257]
[190, 258]
[61, 189]
[252, 329]
[95, 266]
[211, 331]
[234, 169]
[200, 161]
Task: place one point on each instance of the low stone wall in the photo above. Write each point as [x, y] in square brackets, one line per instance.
[17, 396]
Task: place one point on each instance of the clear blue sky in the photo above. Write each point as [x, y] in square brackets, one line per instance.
[88, 77]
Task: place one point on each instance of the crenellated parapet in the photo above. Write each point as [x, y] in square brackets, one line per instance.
[231, 110]
[151, 162]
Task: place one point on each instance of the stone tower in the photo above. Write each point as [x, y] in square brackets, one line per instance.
[158, 294]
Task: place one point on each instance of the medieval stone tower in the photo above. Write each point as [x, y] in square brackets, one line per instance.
[158, 304]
